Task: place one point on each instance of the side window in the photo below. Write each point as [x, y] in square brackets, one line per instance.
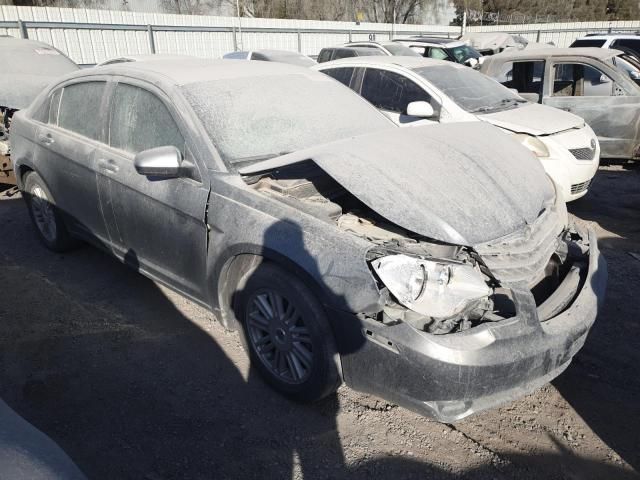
[438, 53]
[343, 75]
[79, 106]
[325, 55]
[259, 56]
[391, 91]
[630, 43]
[526, 77]
[140, 121]
[344, 53]
[579, 80]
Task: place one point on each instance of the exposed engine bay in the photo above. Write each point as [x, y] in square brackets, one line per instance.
[434, 286]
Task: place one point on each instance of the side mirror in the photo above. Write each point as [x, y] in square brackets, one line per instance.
[603, 79]
[471, 62]
[420, 109]
[158, 162]
[634, 75]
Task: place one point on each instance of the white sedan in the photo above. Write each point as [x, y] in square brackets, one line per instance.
[414, 91]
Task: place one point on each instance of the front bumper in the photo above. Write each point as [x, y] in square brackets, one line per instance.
[448, 377]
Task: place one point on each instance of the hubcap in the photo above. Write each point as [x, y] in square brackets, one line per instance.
[279, 336]
[43, 213]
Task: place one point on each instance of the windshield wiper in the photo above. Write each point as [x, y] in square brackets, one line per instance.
[246, 161]
[505, 102]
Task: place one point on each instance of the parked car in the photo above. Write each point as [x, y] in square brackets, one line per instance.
[583, 81]
[491, 43]
[627, 42]
[363, 49]
[448, 92]
[284, 56]
[434, 266]
[27, 67]
[148, 57]
[28, 454]
[442, 49]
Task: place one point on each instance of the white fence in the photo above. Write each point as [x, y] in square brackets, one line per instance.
[91, 36]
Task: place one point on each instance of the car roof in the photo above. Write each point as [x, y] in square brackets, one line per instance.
[186, 71]
[590, 52]
[146, 57]
[368, 42]
[266, 51]
[421, 39]
[604, 36]
[7, 41]
[399, 60]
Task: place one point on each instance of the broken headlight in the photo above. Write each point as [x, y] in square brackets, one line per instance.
[534, 144]
[437, 289]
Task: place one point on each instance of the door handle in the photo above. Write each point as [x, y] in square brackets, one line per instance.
[45, 139]
[108, 165]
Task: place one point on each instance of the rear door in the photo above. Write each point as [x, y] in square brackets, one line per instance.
[157, 225]
[391, 93]
[591, 93]
[67, 145]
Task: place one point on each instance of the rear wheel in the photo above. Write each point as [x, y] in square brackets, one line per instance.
[45, 215]
[287, 334]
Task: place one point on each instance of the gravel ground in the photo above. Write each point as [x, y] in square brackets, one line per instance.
[135, 382]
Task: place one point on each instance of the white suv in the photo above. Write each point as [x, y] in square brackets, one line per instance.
[627, 42]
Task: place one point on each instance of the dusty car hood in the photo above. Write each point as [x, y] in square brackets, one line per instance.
[465, 183]
[534, 119]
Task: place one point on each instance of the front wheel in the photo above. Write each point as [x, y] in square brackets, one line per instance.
[287, 334]
[45, 215]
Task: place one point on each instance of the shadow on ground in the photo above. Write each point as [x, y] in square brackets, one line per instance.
[104, 362]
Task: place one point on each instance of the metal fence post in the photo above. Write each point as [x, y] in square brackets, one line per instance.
[23, 30]
[299, 42]
[350, 37]
[235, 39]
[538, 37]
[152, 42]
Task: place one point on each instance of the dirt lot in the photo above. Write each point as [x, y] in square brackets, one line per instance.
[135, 382]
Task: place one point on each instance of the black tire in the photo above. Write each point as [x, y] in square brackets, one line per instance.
[322, 377]
[36, 194]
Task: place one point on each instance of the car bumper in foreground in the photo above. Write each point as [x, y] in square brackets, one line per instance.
[448, 377]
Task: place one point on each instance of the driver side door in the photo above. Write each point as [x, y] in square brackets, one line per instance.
[592, 94]
[156, 224]
[392, 92]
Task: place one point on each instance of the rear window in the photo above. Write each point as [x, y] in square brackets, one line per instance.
[79, 108]
[325, 55]
[587, 42]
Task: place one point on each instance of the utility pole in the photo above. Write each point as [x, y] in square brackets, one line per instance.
[239, 23]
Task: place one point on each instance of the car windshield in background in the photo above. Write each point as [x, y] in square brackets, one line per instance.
[464, 52]
[588, 42]
[248, 120]
[471, 90]
[398, 49]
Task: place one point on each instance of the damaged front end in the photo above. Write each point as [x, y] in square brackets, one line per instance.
[461, 326]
